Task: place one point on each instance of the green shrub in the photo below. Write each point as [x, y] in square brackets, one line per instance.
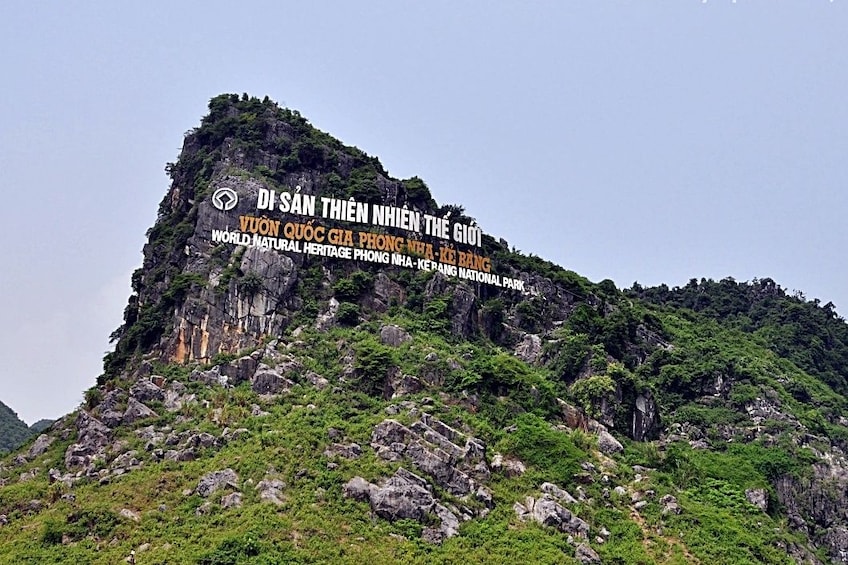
[372, 361]
[548, 450]
[348, 314]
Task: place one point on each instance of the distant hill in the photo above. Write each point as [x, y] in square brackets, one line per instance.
[41, 425]
[13, 431]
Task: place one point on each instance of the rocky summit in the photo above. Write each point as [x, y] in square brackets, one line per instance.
[321, 364]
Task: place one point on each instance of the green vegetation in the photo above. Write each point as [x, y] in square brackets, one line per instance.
[13, 432]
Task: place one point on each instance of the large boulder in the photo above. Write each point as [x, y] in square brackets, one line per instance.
[271, 490]
[216, 480]
[548, 512]
[393, 335]
[39, 446]
[270, 381]
[403, 496]
[144, 390]
[137, 411]
[406, 496]
[530, 348]
[608, 444]
[586, 554]
[92, 438]
[359, 489]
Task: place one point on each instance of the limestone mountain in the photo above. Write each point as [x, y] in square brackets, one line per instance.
[321, 364]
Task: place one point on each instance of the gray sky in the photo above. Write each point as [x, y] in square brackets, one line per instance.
[637, 141]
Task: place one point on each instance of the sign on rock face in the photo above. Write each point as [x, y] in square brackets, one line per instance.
[357, 231]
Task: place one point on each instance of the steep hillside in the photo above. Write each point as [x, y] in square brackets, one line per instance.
[13, 431]
[320, 364]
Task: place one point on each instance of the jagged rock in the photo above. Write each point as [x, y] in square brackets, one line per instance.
[548, 512]
[436, 464]
[669, 505]
[232, 500]
[530, 349]
[403, 385]
[586, 554]
[484, 495]
[173, 401]
[387, 434]
[145, 390]
[393, 335]
[216, 480]
[271, 490]
[180, 455]
[509, 467]
[431, 371]
[608, 444]
[270, 381]
[212, 377]
[92, 438]
[20, 460]
[463, 309]
[758, 497]
[387, 291]
[28, 475]
[699, 444]
[644, 418]
[837, 539]
[137, 411]
[429, 445]
[56, 476]
[130, 515]
[203, 440]
[818, 504]
[256, 410]
[404, 495]
[350, 451]
[241, 370]
[39, 446]
[620, 491]
[128, 459]
[112, 400]
[448, 527]
[327, 319]
[358, 489]
[557, 493]
[232, 435]
[316, 380]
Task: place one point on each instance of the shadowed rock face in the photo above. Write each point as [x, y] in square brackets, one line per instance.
[818, 505]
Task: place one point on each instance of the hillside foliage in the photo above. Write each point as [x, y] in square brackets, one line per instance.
[13, 431]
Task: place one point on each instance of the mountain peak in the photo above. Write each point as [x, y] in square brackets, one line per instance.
[319, 363]
[259, 196]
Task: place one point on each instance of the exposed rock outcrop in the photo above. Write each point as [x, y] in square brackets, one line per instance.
[216, 480]
[433, 447]
[92, 439]
[41, 444]
[406, 495]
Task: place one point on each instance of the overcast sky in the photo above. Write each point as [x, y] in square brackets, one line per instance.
[636, 141]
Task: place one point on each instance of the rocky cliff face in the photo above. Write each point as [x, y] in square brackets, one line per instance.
[219, 278]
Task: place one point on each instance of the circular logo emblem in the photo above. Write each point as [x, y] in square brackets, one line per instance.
[225, 198]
